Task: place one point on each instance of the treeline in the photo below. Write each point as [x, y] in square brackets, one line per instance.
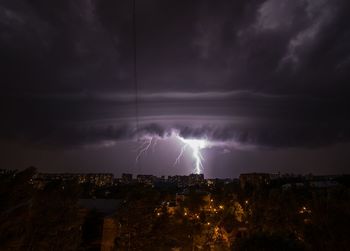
[32, 219]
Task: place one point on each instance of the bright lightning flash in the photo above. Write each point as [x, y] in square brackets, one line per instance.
[196, 145]
[183, 148]
[146, 144]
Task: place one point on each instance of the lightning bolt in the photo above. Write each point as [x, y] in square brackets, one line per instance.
[183, 148]
[196, 145]
[144, 148]
[199, 158]
[154, 145]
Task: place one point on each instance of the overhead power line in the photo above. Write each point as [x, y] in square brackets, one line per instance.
[136, 87]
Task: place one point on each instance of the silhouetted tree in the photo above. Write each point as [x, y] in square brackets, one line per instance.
[266, 242]
[38, 219]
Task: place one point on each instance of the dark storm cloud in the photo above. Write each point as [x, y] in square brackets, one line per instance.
[269, 46]
[86, 45]
[280, 68]
[244, 136]
[246, 119]
[61, 46]
[285, 46]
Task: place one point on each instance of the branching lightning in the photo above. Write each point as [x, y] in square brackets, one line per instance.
[183, 148]
[195, 145]
[154, 145]
[144, 147]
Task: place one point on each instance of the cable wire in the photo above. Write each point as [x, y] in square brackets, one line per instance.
[136, 87]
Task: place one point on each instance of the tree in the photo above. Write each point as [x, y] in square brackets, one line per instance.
[266, 242]
[194, 201]
[16, 195]
[54, 221]
[38, 219]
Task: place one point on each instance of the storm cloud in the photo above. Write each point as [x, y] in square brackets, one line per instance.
[262, 73]
[248, 119]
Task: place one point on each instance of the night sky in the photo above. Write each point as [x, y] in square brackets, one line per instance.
[267, 82]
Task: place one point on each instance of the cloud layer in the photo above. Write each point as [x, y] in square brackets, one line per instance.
[264, 73]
